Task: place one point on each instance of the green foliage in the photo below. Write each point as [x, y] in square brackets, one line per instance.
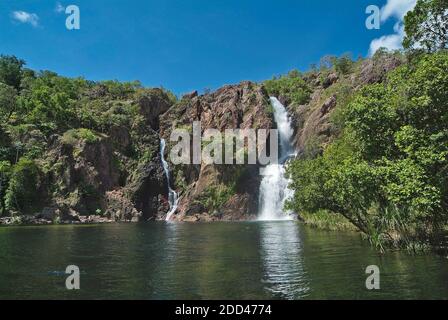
[388, 172]
[120, 90]
[427, 26]
[171, 96]
[343, 65]
[36, 108]
[214, 197]
[5, 172]
[11, 71]
[147, 156]
[312, 147]
[22, 194]
[73, 136]
[374, 121]
[50, 102]
[29, 141]
[180, 181]
[6, 146]
[326, 220]
[8, 102]
[291, 86]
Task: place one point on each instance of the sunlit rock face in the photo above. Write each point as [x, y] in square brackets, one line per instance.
[235, 188]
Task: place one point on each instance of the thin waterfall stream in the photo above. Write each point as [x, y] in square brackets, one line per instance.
[173, 198]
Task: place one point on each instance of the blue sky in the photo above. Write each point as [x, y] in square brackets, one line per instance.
[187, 44]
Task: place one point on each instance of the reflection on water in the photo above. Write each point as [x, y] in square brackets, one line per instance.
[258, 260]
[284, 273]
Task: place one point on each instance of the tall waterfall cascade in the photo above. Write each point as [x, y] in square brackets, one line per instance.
[274, 191]
[173, 198]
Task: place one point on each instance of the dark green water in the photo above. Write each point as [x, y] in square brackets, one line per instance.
[266, 260]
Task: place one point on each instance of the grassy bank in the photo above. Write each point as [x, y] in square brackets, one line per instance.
[325, 220]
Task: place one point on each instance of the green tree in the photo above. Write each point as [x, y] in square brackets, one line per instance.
[8, 102]
[427, 26]
[343, 65]
[388, 172]
[6, 146]
[11, 71]
[23, 194]
[292, 87]
[51, 102]
[5, 171]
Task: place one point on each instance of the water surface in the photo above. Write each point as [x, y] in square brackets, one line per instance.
[258, 260]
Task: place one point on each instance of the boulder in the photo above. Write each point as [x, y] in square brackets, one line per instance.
[331, 79]
[153, 103]
[120, 208]
[49, 213]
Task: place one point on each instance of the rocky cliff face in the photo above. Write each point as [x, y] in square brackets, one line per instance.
[218, 192]
[313, 123]
[83, 171]
[115, 172]
[97, 177]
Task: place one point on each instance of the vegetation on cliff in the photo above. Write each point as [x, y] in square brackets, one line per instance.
[66, 142]
[291, 86]
[385, 169]
[372, 136]
[211, 191]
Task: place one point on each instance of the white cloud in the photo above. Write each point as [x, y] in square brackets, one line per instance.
[59, 8]
[391, 41]
[25, 17]
[396, 9]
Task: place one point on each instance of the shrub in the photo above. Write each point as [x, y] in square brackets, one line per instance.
[214, 197]
[292, 87]
[11, 70]
[343, 65]
[23, 194]
[8, 102]
[5, 172]
[73, 136]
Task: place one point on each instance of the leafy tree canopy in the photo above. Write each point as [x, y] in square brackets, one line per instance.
[388, 172]
[427, 26]
[11, 69]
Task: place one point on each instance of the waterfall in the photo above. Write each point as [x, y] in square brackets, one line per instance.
[172, 195]
[274, 189]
